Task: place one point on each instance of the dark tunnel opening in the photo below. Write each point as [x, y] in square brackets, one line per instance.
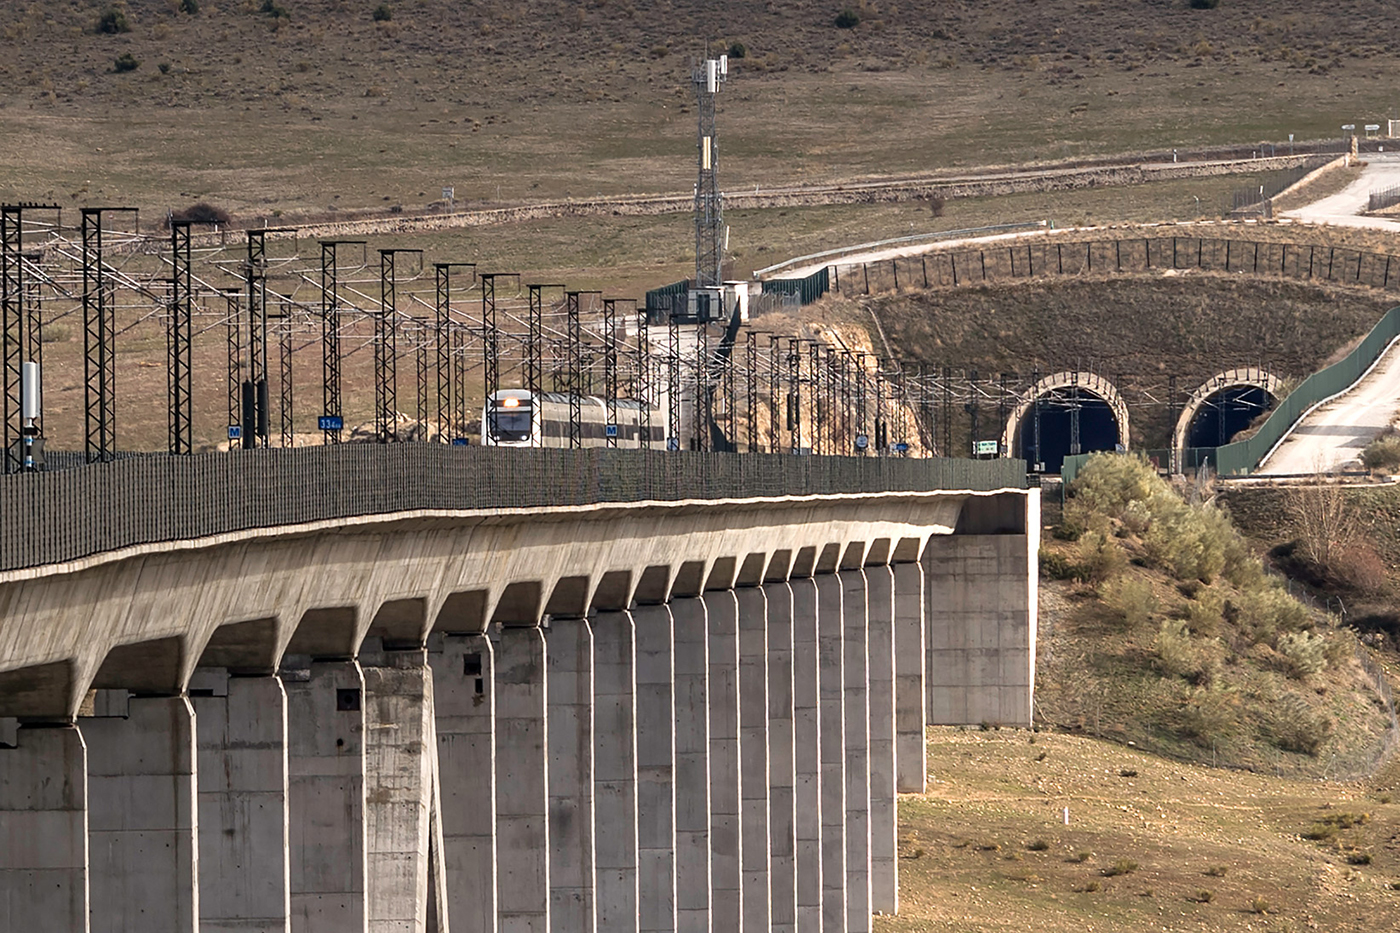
[1058, 411]
[1226, 413]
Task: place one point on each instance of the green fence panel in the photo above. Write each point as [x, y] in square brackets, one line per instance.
[807, 289]
[1243, 457]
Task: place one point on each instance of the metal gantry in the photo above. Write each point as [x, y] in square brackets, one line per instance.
[255, 392]
[610, 430]
[332, 420]
[386, 348]
[180, 419]
[12, 306]
[99, 340]
[709, 201]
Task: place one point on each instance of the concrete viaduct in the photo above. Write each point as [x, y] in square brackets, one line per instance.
[421, 688]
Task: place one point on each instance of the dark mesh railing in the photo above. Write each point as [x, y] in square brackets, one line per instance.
[63, 515]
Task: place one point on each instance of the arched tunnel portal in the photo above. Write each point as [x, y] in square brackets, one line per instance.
[1064, 414]
[1224, 405]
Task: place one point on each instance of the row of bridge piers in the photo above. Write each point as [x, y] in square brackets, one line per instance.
[711, 757]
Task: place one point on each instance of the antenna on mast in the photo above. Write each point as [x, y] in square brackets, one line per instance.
[709, 201]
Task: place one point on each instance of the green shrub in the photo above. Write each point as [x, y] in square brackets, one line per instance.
[189, 6]
[114, 20]
[1039, 845]
[1109, 482]
[1204, 896]
[1100, 557]
[1132, 598]
[1121, 867]
[1217, 871]
[275, 10]
[1359, 858]
[1177, 655]
[847, 19]
[1267, 611]
[1382, 454]
[1207, 718]
[125, 62]
[1057, 566]
[1296, 727]
[1305, 652]
[737, 50]
[164, 68]
[1204, 4]
[1259, 905]
[383, 13]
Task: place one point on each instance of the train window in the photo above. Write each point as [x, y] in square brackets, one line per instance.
[511, 424]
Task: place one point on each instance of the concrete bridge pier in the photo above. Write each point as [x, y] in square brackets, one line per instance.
[569, 653]
[326, 795]
[142, 814]
[884, 878]
[44, 830]
[807, 671]
[522, 782]
[832, 713]
[692, 774]
[656, 768]
[726, 876]
[754, 841]
[911, 744]
[856, 675]
[464, 692]
[615, 770]
[782, 772]
[244, 871]
[401, 808]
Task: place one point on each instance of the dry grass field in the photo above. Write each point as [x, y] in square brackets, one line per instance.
[301, 105]
[1151, 844]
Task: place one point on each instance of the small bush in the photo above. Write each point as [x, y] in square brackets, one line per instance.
[1089, 887]
[1207, 717]
[1082, 857]
[164, 68]
[847, 19]
[1382, 454]
[383, 13]
[1295, 727]
[1127, 772]
[114, 20]
[1100, 557]
[1320, 832]
[1259, 905]
[1204, 896]
[1121, 867]
[125, 62]
[275, 10]
[1038, 845]
[189, 6]
[202, 213]
[1204, 4]
[737, 50]
[1359, 858]
[1216, 871]
[1132, 598]
[1306, 653]
[1177, 655]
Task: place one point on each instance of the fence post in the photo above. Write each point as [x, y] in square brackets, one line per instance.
[923, 261]
[865, 270]
[1227, 255]
[1331, 258]
[1256, 257]
[1118, 254]
[1030, 263]
[894, 270]
[1385, 280]
[1146, 253]
[1174, 252]
[1060, 258]
[1089, 256]
[953, 261]
[983, 253]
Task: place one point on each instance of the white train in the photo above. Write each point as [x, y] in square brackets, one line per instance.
[518, 418]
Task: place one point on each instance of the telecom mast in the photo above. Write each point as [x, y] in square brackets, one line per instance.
[709, 206]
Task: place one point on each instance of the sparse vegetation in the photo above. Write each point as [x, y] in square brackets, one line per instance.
[125, 62]
[383, 13]
[202, 212]
[113, 20]
[1123, 866]
[847, 19]
[276, 10]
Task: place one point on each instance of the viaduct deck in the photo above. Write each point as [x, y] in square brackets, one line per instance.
[418, 688]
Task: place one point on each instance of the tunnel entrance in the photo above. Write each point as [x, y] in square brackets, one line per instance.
[1071, 420]
[1225, 413]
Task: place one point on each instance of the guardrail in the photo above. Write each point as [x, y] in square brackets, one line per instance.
[52, 517]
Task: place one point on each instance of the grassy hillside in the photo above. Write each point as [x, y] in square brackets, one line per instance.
[1160, 626]
[303, 104]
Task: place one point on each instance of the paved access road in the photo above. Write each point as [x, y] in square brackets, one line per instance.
[1345, 208]
[1339, 430]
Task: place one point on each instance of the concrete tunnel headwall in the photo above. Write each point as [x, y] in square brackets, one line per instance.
[1234, 397]
[1107, 427]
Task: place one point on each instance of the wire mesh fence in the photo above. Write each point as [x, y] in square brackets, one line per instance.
[1384, 197]
[65, 515]
[1049, 257]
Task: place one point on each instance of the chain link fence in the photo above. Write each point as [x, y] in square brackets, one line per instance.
[64, 515]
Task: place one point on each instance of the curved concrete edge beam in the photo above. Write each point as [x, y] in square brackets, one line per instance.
[1248, 376]
[152, 667]
[250, 647]
[907, 550]
[878, 553]
[570, 597]
[614, 591]
[463, 576]
[752, 569]
[780, 566]
[44, 692]
[723, 572]
[1088, 381]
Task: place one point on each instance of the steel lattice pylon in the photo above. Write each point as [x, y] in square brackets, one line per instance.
[709, 201]
[610, 370]
[180, 416]
[12, 328]
[330, 338]
[641, 386]
[99, 342]
[255, 421]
